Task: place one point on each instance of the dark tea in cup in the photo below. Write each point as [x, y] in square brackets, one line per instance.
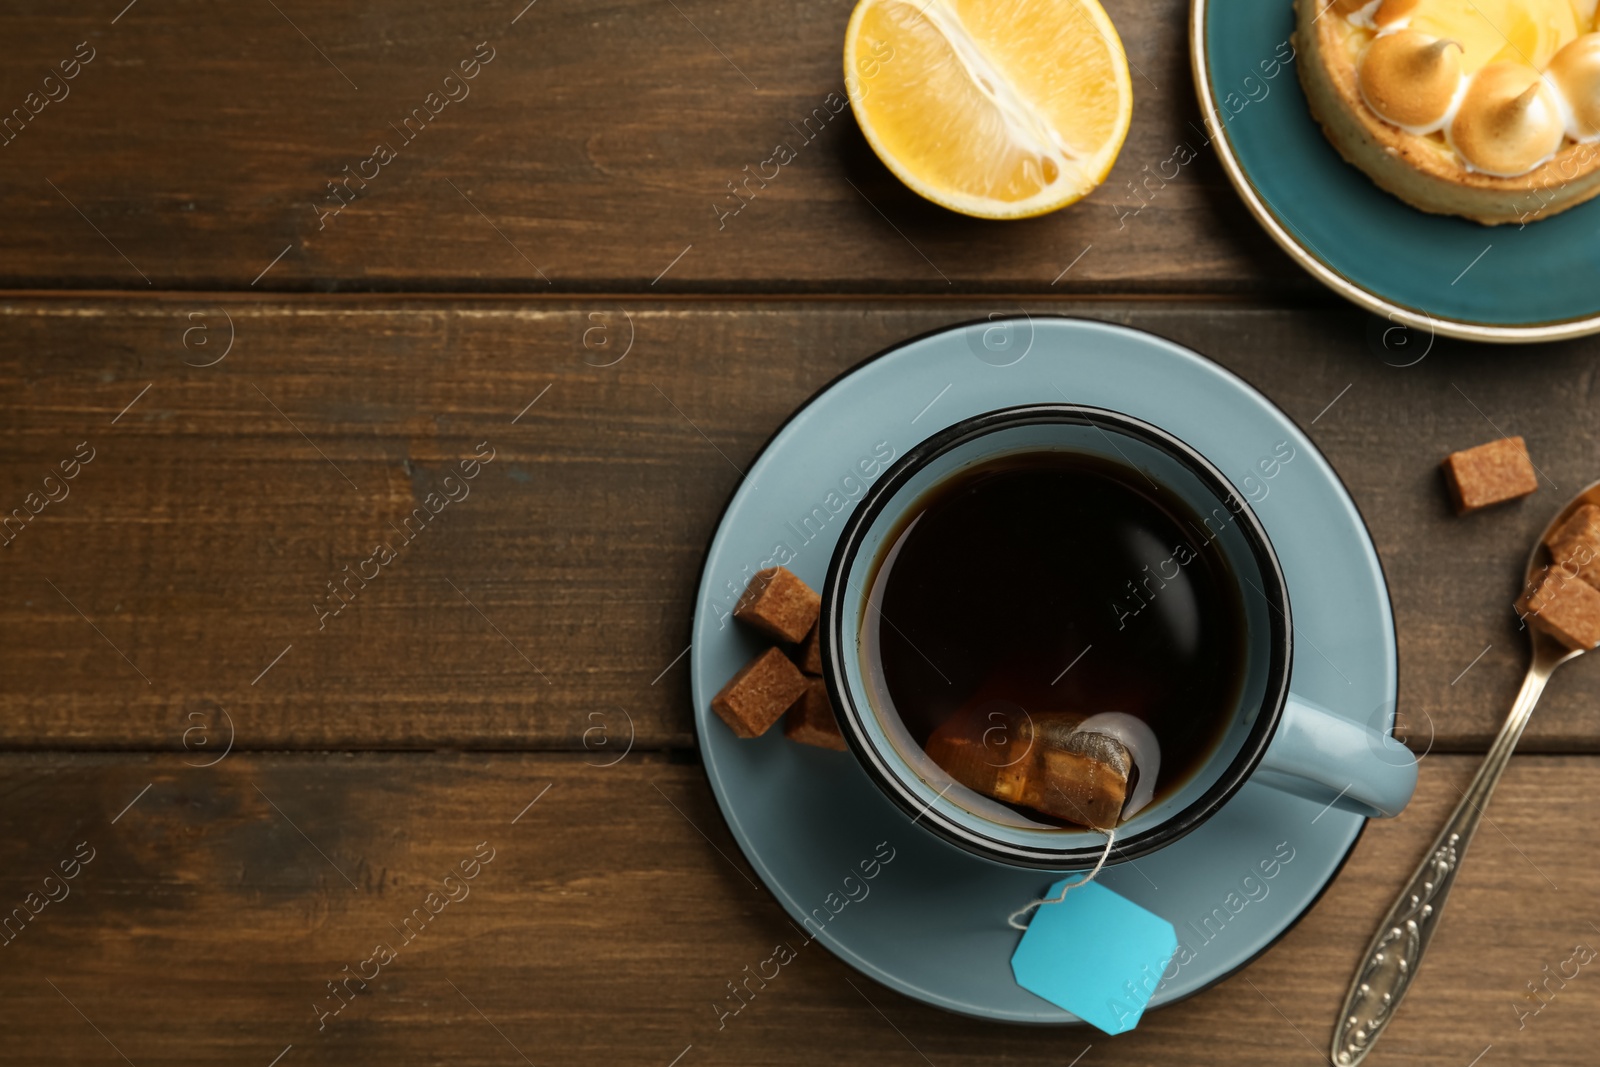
[1060, 634]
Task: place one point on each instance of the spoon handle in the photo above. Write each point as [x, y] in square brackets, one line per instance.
[1395, 953]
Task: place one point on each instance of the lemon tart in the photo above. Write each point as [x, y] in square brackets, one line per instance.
[1487, 109]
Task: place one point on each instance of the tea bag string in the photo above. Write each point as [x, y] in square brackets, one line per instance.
[1111, 835]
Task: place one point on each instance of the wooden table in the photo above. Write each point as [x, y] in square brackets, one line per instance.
[267, 371]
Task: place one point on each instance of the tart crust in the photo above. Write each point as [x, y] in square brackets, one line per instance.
[1424, 171]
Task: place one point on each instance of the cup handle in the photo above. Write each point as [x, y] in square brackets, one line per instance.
[1329, 759]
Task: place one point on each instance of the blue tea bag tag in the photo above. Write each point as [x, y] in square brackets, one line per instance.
[1096, 954]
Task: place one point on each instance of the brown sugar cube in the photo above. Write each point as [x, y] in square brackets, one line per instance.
[810, 654]
[986, 768]
[1489, 474]
[1566, 608]
[985, 748]
[811, 720]
[779, 605]
[756, 697]
[1583, 522]
[1575, 544]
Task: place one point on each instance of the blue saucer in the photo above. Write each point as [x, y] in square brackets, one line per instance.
[931, 921]
[1444, 274]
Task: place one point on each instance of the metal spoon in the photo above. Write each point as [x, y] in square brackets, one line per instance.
[1392, 958]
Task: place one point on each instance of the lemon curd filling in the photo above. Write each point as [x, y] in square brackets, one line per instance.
[1502, 84]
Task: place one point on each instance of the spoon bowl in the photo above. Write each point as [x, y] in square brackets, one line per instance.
[1547, 649]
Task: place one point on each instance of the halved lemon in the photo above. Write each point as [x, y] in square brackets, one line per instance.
[1002, 109]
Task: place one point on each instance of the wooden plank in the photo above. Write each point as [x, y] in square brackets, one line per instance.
[592, 151]
[216, 908]
[222, 500]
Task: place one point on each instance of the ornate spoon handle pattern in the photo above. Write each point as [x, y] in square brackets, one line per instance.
[1392, 958]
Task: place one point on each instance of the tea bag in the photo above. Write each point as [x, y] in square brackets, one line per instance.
[1078, 776]
[1045, 761]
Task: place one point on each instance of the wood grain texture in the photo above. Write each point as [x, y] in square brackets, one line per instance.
[595, 148]
[217, 508]
[234, 451]
[216, 909]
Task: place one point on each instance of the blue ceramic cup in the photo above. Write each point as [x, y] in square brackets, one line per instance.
[1273, 736]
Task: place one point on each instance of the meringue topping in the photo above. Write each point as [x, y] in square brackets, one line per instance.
[1575, 72]
[1470, 70]
[1411, 78]
[1392, 11]
[1508, 122]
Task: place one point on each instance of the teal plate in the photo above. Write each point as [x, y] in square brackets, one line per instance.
[931, 920]
[1441, 274]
